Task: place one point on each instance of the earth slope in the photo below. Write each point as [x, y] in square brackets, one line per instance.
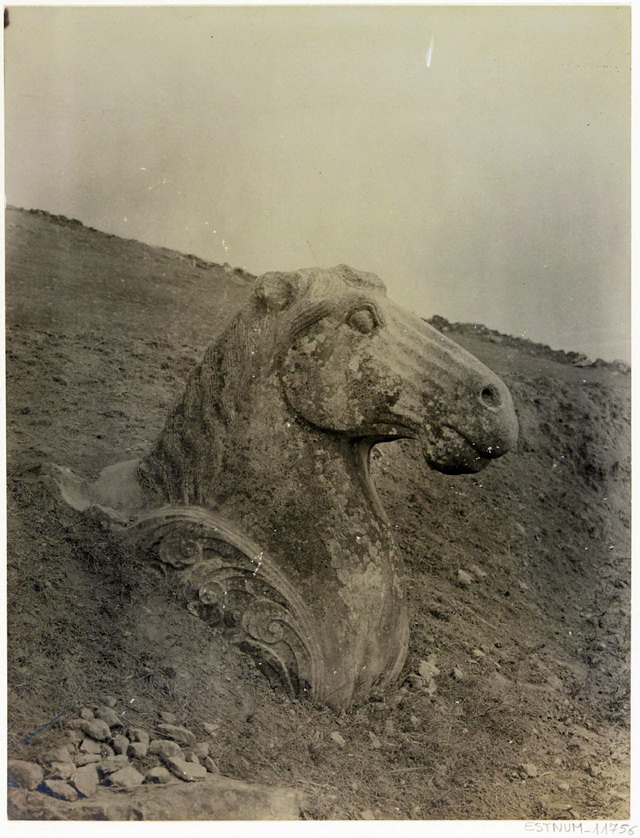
[514, 702]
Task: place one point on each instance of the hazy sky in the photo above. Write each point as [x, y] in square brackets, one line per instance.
[476, 158]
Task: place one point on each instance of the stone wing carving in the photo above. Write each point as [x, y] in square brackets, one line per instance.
[232, 584]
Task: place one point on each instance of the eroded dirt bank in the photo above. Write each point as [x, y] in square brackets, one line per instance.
[527, 716]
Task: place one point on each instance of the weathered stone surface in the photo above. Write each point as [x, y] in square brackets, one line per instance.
[86, 759]
[26, 775]
[61, 754]
[159, 774]
[137, 749]
[87, 713]
[164, 747]
[91, 746]
[188, 771]
[210, 765]
[85, 780]
[126, 778]
[316, 368]
[108, 715]
[201, 749]
[120, 743]
[217, 798]
[169, 718]
[464, 578]
[178, 734]
[61, 770]
[61, 789]
[75, 737]
[98, 730]
[114, 763]
[212, 728]
[139, 734]
[528, 769]
[78, 724]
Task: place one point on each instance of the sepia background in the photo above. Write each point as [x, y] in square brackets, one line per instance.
[476, 158]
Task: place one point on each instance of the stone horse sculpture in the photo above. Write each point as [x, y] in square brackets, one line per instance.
[258, 489]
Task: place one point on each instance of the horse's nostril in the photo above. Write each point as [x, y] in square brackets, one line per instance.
[490, 396]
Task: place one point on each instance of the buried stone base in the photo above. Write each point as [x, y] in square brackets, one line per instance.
[217, 798]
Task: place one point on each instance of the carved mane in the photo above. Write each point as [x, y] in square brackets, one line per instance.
[245, 352]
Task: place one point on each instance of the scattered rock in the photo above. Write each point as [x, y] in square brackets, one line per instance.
[416, 681]
[337, 738]
[158, 774]
[110, 701]
[210, 765]
[522, 585]
[478, 571]
[201, 749]
[139, 734]
[114, 763]
[375, 742]
[98, 730]
[464, 578]
[75, 737]
[87, 713]
[415, 721]
[563, 785]
[87, 759]
[211, 728]
[595, 770]
[164, 748]
[61, 789]
[428, 671]
[126, 778]
[478, 653]
[24, 774]
[428, 668]
[367, 815]
[78, 724]
[85, 780]
[219, 798]
[120, 743]
[137, 749]
[458, 674]
[61, 770]
[190, 756]
[178, 734]
[109, 716]
[90, 746]
[169, 718]
[61, 754]
[185, 770]
[528, 769]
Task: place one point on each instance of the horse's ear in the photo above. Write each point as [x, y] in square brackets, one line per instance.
[275, 290]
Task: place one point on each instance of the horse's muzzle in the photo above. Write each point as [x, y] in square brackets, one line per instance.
[482, 428]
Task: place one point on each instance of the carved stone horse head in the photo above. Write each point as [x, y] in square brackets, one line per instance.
[258, 489]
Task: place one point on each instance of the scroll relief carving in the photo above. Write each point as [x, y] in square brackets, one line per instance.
[257, 492]
[229, 583]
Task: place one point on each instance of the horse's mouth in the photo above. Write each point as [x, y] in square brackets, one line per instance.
[447, 450]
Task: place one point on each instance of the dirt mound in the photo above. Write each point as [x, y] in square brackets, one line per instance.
[514, 702]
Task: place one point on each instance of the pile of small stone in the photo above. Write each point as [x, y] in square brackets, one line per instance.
[103, 749]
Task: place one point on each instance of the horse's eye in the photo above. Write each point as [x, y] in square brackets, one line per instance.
[362, 320]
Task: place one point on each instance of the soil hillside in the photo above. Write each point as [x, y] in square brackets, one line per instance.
[514, 701]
